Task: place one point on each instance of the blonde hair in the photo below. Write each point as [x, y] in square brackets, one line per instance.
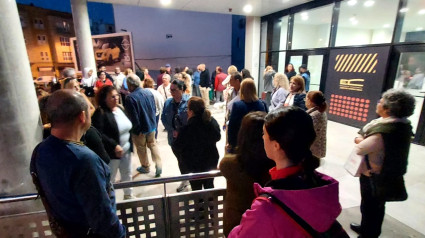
[128, 71]
[281, 81]
[187, 81]
[300, 81]
[231, 70]
[248, 91]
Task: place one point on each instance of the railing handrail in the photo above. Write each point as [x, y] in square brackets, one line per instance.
[136, 183]
[191, 176]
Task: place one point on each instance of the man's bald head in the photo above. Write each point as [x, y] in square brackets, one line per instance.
[64, 106]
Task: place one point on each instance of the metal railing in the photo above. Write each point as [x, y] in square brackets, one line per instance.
[189, 214]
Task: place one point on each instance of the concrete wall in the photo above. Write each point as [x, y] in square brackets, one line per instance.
[197, 37]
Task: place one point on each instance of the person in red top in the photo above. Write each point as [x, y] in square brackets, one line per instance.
[102, 81]
[218, 86]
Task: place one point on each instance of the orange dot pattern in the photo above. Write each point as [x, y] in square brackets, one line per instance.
[349, 107]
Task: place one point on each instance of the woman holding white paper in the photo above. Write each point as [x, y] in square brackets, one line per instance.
[384, 143]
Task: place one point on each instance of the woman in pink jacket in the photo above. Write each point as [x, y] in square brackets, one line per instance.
[288, 135]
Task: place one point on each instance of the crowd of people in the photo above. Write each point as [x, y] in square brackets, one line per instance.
[274, 145]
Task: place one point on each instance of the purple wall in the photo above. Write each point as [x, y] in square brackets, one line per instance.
[197, 37]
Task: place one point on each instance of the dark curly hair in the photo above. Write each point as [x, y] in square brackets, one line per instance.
[102, 94]
[180, 84]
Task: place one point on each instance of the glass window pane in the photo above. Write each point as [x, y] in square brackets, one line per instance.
[275, 43]
[312, 28]
[410, 76]
[283, 32]
[315, 67]
[361, 24]
[414, 21]
[263, 36]
[281, 65]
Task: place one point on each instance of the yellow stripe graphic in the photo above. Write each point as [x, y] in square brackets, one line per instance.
[373, 66]
[364, 64]
[346, 62]
[342, 62]
[338, 60]
[350, 63]
[361, 61]
[356, 60]
[370, 62]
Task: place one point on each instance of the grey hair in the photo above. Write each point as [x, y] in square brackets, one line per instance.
[399, 103]
[167, 76]
[68, 73]
[64, 106]
[133, 80]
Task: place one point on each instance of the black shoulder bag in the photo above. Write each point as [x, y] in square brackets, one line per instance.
[335, 231]
[388, 188]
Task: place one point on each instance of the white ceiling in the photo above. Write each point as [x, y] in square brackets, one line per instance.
[259, 7]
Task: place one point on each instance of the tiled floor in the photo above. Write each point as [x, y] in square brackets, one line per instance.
[403, 219]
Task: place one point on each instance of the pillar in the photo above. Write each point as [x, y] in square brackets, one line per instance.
[20, 125]
[252, 47]
[80, 16]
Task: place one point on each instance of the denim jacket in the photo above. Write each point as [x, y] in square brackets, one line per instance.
[170, 120]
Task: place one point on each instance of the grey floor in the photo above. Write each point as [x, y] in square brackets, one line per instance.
[403, 219]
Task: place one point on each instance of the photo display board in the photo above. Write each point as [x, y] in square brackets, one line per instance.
[354, 84]
[110, 50]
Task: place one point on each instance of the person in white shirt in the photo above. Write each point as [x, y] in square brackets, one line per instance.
[88, 79]
[118, 78]
[164, 88]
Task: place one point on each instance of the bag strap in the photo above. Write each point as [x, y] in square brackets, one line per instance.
[310, 230]
[366, 158]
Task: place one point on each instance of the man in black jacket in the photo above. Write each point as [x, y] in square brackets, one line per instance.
[204, 84]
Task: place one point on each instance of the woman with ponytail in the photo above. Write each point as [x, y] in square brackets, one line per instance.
[296, 189]
[196, 142]
[316, 108]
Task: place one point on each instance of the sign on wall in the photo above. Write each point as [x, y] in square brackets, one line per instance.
[111, 50]
[354, 83]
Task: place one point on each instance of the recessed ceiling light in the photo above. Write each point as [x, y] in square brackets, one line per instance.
[404, 9]
[352, 19]
[352, 2]
[419, 29]
[304, 16]
[247, 8]
[421, 12]
[387, 26]
[165, 2]
[355, 22]
[369, 3]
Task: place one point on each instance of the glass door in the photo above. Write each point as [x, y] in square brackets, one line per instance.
[316, 66]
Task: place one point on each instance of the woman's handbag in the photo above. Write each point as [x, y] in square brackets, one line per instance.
[387, 187]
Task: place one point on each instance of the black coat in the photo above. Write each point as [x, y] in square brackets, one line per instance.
[205, 79]
[196, 145]
[104, 121]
